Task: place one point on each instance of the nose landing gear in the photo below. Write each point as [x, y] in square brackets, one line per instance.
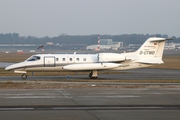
[24, 76]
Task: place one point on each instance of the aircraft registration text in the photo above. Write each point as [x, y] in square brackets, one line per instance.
[147, 52]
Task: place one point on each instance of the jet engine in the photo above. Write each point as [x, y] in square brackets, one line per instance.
[110, 57]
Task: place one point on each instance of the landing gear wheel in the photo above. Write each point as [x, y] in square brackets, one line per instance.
[94, 77]
[90, 74]
[93, 74]
[23, 76]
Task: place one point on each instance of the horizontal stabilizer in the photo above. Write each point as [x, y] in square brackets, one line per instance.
[151, 61]
[160, 39]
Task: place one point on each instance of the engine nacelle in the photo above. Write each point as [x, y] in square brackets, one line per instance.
[110, 57]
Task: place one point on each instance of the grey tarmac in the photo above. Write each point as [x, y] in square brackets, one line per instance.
[90, 103]
[93, 103]
[136, 74]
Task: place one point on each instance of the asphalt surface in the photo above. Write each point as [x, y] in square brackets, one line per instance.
[138, 103]
[90, 104]
[136, 74]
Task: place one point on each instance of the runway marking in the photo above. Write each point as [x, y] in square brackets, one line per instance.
[34, 97]
[15, 109]
[92, 114]
[67, 95]
[118, 96]
[91, 107]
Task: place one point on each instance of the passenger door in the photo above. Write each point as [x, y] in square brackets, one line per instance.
[49, 61]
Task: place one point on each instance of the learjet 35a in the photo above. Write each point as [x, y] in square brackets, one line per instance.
[150, 53]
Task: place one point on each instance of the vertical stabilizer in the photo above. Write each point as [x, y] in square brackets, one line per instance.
[151, 51]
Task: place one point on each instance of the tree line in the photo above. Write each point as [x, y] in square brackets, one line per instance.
[15, 38]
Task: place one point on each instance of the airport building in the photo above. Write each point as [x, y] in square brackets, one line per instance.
[94, 47]
[106, 44]
[18, 46]
[133, 47]
[172, 45]
[168, 46]
[116, 45]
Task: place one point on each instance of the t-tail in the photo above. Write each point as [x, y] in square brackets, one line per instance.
[151, 51]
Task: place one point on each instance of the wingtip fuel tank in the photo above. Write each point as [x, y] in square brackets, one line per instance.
[91, 66]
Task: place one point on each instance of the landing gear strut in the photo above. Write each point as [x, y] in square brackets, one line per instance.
[24, 76]
[93, 74]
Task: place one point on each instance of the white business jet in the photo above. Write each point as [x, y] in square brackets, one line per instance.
[150, 53]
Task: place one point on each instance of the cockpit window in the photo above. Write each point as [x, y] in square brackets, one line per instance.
[34, 58]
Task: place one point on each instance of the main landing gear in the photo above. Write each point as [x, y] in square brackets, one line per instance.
[24, 76]
[93, 74]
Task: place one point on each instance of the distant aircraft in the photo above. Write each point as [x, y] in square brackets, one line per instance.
[150, 53]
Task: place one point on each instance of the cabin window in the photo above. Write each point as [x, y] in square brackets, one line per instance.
[77, 59]
[84, 59]
[63, 59]
[34, 58]
[70, 59]
[57, 59]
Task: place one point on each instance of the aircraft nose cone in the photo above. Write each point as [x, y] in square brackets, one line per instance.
[7, 68]
[14, 66]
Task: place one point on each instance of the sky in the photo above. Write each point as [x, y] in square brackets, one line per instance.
[52, 18]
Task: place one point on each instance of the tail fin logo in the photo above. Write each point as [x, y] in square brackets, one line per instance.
[146, 52]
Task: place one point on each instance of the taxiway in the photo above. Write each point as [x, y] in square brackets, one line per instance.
[155, 101]
[90, 104]
[136, 74]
